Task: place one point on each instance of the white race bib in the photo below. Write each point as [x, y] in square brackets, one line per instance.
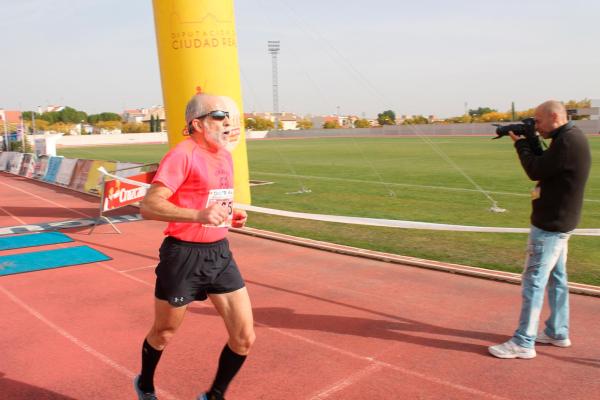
[224, 197]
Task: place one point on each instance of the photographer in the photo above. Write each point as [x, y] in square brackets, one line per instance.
[561, 172]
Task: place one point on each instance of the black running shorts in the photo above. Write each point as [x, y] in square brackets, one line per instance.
[189, 271]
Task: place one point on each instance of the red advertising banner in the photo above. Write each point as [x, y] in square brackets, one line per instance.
[119, 192]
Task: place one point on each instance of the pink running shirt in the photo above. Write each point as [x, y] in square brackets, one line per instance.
[191, 172]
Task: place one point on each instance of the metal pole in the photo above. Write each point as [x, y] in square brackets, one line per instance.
[22, 135]
[273, 46]
[100, 216]
[6, 138]
[275, 91]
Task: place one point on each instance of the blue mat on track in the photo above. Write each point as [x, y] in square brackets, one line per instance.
[39, 260]
[34, 239]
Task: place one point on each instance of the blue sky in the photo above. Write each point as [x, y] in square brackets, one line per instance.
[358, 57]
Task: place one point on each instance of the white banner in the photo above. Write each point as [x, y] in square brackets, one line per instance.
[14, 165]
[5, 157]
[126, 169]
[65, 171]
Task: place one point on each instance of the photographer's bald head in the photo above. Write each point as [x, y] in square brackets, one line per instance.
[550, 115]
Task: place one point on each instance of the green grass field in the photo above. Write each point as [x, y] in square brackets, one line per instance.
[406, 178]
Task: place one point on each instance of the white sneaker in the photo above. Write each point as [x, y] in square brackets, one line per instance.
[511, 350]
[543, 338]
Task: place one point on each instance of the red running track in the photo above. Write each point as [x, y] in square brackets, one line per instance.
[329, 326]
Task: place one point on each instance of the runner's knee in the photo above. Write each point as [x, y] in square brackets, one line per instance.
[161, 337]
[242, 343]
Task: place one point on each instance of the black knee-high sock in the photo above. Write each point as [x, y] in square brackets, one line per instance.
[150, 358]
[229, 365]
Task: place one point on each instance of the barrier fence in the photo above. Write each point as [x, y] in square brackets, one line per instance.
[127, 186]
[77, 174]
[95, 177]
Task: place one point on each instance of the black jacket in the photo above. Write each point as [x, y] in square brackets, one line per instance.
[562, 171]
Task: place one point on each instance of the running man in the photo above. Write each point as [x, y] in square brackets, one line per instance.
[193, 191]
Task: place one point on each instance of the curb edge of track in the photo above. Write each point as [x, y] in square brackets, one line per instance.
[502, 276]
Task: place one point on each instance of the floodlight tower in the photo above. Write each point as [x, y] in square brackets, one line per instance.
[273, 46]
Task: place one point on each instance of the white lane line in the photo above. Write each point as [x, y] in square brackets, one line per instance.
[79, 343]
[13, 216]
[44, 199]
[136, 269]
[123, 273]
[351, 354]
[350, 380]
[393, 367]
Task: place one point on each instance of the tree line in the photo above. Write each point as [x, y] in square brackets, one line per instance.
[482, 114]
[66, 119]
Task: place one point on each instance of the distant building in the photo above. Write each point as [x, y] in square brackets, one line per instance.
[156, 112]
[592, 112]
[433, 119]
[144, 115]
[348, 121]
[264, 115]
[10, 126]
[344, 121]
[595, 109]
[11, 117]
[319, 120]
[50, 108]
[135, 116]
[288, 121]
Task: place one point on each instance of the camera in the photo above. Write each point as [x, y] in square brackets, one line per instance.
[526, 129]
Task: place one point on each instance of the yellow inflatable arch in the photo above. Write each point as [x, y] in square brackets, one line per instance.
[197, 50]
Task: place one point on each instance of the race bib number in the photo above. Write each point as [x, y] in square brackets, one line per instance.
[224, 197]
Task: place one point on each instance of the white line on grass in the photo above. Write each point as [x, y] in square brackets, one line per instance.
[447, 188]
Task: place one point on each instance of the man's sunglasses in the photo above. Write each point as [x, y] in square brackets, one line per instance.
[216, 115]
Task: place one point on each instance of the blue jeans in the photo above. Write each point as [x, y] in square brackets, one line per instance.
[546, 264]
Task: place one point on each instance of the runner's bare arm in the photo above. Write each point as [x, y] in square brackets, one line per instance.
[156, 206]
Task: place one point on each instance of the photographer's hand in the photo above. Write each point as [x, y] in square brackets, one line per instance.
[515, 137]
